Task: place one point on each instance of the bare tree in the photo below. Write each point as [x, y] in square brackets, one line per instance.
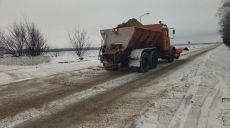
[36, 42]
[224, 13]
[15, 41]
[80, 41]
[24, 38]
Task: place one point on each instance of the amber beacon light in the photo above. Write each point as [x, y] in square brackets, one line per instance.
[116, 30]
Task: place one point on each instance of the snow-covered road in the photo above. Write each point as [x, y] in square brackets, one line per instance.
[193, 92]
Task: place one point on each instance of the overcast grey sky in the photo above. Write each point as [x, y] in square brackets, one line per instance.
[194, 20]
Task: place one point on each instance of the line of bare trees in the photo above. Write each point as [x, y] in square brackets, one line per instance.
[224, 13]
[24, 38]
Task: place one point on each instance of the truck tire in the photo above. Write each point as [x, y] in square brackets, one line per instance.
[170, 58]
[153, 59]
[171, 54]
[144, 63]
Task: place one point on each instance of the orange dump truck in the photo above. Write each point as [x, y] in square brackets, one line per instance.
[136, 46]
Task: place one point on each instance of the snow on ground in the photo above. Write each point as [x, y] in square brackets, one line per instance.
[67, 61]
[199, 96]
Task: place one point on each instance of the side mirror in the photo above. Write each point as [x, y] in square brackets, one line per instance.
[102, 42]
[173, 31]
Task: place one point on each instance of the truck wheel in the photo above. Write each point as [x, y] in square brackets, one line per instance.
[153, 59]
[144, 63]
[171, 54]
[170, 58]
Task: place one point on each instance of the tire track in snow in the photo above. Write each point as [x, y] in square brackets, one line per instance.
[182, 114]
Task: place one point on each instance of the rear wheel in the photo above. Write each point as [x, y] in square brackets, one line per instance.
[153, 59]
[144, 63]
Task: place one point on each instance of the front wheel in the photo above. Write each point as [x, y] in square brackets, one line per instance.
[144, 63]
[170, 58]
[171, 54]
[153, 59]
